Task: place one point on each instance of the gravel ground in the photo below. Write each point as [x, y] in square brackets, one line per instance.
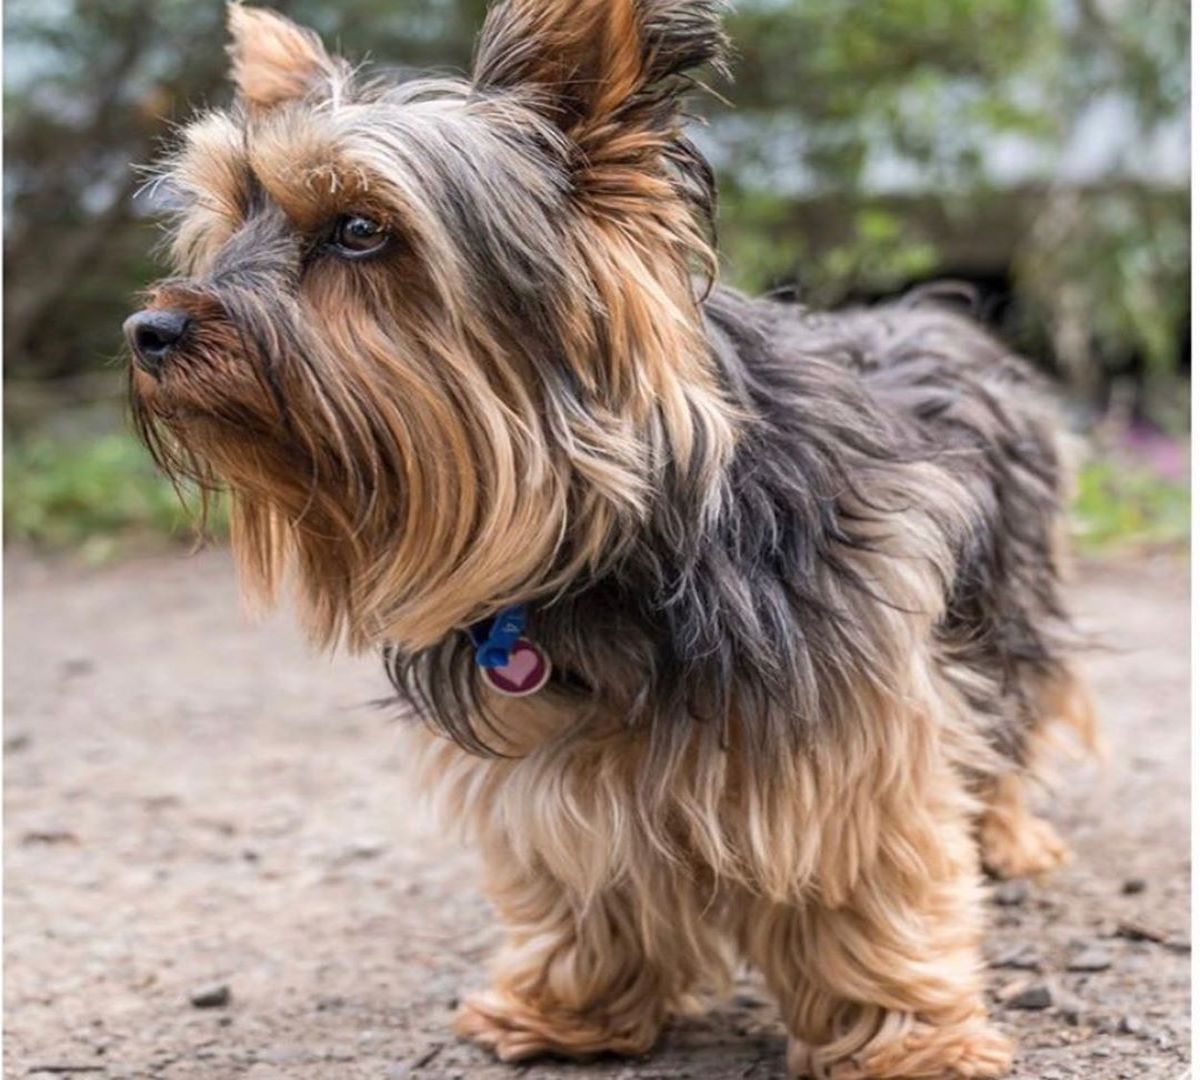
[214, 869]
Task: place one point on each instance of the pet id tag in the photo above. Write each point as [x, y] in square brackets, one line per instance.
[526, 672]
[510, 663]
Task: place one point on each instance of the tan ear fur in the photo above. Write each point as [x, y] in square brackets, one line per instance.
[611, 64]
[273, 59]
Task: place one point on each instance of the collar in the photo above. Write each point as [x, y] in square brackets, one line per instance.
[495, 638]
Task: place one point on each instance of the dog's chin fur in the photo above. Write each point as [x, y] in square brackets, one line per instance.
[797, 574]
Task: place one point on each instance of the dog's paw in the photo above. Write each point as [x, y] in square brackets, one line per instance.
[514, 1030]
[962, 1052]
[1025, 848]
[499, 1031]
[975, 1052]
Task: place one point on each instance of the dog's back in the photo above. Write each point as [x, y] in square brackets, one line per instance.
[952, 393]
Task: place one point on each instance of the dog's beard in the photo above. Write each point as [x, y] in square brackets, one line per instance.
[395, 505]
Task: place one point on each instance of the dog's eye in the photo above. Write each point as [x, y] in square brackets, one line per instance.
[355, 236]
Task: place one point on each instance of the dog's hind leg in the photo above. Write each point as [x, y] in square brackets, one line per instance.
[1013, 841]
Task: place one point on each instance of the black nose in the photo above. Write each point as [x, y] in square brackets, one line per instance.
[153, 333]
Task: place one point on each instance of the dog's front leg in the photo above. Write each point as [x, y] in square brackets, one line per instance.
[573, 977]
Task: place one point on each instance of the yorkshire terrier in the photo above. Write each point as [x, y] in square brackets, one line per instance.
[734, 627]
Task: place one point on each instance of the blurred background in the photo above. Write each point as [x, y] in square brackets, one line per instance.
[1034, 150]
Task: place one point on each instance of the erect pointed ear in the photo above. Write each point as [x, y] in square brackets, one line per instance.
[274, 60]
[593, 59]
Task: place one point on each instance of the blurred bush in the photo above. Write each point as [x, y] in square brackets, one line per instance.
[93, 496]
[1036, 149]
[1126, 504]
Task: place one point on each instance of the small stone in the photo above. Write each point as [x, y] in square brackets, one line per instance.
[76, 666]
[1090, 958]
[64, 1068]
[212, 996]
[1072, 1010]
[427, 1056]
[1023, 958]
[1132, 1025]
[1137, 931]
[1133, 886]
[365, 847]
[50, 836]
[1010, 894]
[1034, 996]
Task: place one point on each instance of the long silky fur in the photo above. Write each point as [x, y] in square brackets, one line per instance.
[864, 425]
[798, 574]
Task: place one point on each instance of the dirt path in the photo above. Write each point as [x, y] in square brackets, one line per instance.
[194, 800]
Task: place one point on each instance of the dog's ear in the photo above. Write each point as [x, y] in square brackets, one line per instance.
[274, 60]
[600, 63]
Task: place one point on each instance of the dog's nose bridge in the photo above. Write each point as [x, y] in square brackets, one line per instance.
[266, 248]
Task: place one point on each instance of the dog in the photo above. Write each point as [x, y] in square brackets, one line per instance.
[735, 627]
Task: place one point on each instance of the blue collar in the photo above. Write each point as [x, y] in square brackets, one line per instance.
[495, 638]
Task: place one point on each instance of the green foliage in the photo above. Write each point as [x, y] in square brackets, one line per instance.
[880, 251]
[1124, 505]
[92, 496]
[1109, 274]
[879, 104]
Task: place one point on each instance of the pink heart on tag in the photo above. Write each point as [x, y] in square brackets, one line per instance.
[521, 665]
[526, 672]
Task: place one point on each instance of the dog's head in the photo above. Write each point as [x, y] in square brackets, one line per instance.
[440, 339]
